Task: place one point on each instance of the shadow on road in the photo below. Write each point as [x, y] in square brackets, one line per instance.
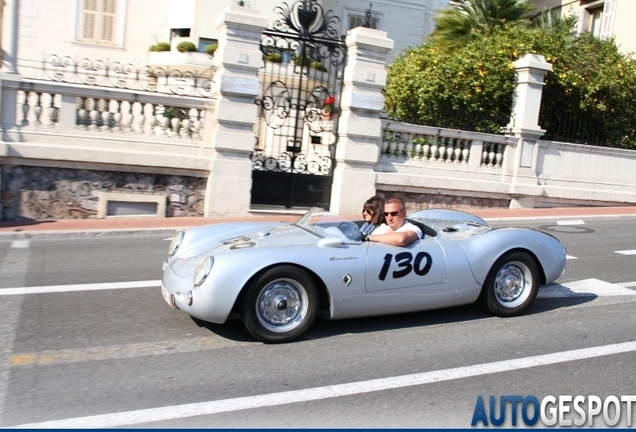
[233, 328]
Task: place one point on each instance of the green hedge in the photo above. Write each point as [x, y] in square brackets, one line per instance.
[161, 46]
[186, 46]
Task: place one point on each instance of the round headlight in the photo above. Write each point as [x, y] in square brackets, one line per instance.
[175, 243]
[202, 271]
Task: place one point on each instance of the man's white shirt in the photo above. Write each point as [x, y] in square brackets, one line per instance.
[408, 226]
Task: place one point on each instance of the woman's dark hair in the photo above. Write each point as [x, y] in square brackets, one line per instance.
[375, 205]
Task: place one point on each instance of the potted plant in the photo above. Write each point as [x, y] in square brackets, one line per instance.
[329, 109]
[159, 47]
[186, 46]
[273, 57]
[211, 49]
[318, 66]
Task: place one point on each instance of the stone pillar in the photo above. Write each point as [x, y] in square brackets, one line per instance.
[238, 59]
[9, 35]
[359, 126]
[531, 69]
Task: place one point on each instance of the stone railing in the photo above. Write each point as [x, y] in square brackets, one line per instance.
[77, 145]
[424, 145]
[64, 106]
[429, 166]
[432, 167]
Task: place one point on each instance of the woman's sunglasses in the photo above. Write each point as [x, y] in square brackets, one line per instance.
[367, 211]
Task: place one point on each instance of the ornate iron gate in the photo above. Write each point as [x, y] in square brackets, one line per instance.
[301, 80]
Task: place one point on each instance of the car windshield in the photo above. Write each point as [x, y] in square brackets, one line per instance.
[326, 224]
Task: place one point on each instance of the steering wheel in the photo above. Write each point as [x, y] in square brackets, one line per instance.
[350, 230]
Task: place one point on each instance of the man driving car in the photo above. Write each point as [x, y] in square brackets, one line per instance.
[397, 231]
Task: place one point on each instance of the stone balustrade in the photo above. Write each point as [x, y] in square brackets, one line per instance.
[426, 144]
[64, 106]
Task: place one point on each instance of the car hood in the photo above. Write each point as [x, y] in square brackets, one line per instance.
[272, 236]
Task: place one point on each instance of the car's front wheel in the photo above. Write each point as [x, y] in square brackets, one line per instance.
[512, 284]
[280, 305]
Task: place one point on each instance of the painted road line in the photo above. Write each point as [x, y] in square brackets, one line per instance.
[627, 284]
[154, 415]
[126, 351]
[586, 287]
[21, 244]
[570, 222]
[80, 287]
[626, 252]
[567, 257]
[14, 268]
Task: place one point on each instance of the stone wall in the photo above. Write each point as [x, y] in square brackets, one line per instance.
[40, 193]
[420, 201]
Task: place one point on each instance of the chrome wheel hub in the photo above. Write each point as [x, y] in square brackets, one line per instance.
[282, 305]
[513, 284]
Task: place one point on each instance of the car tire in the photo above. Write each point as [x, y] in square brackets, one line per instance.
[511, 285]
[279, 305]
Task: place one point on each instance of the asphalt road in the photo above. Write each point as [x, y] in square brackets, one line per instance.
[121, 357]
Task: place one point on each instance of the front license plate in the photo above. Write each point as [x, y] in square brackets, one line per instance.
[166, 296]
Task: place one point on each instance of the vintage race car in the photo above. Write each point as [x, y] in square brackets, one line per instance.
[280, 277]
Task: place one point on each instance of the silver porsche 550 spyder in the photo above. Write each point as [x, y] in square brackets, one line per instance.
[280, 277]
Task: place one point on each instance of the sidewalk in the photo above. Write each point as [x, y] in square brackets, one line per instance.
[142, 224]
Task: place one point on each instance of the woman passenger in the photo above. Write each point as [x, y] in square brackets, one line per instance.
[373, 214]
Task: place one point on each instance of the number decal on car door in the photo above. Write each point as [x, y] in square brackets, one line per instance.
[406, 264]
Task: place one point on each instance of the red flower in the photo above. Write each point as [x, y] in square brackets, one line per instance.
[330, 101]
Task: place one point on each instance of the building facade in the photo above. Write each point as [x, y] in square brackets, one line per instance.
[93, 124]
[602, 18]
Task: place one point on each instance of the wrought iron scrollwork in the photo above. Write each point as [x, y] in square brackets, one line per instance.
[307, 19]
[301, 81]
[289, 162]
[119, 75]
[244, 3]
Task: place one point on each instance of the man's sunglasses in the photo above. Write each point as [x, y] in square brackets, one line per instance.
[393, 213]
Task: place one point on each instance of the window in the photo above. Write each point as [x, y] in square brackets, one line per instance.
[363, 21]
[99, 19]
[179, 33]
[595, 20]
[598, 18]
[204, 42]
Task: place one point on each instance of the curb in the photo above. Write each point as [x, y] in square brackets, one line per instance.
[169, 231]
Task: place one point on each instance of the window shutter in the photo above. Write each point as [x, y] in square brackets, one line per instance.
[108, 29]
[609, 10]
[109, 8]
[99, 18]
[89, 18]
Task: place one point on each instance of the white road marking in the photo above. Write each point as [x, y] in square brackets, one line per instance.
[626, 252]
[79, 287]
[570, 257]
[14, 267]
[570, 222]
[152, 415]
[21, 244]
[627, 284]
[584, 287]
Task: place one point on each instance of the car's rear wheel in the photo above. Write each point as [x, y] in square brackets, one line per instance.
[280, 305]
[512, 284]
